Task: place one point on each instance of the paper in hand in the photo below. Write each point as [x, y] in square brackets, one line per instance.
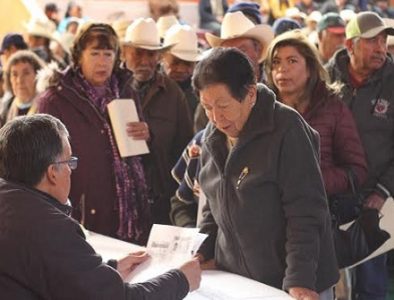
[121, 112]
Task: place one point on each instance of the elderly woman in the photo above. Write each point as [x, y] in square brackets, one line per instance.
[295, 73]
[108, 193]
[266, 213]
[20, 81]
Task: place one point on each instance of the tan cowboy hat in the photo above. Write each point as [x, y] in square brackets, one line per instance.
[41, 27]
[143, 33]
[120, 27]
[164, 23]
[236, 25]
[185, 38]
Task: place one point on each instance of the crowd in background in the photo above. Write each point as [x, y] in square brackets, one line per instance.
[328, 60]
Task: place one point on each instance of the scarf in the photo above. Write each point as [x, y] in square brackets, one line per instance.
[17, 107]
[131, 188]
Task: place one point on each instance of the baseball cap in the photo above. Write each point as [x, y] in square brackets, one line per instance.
[249, 9]
[366, 25]
[282, 25]
[331, 22]
[12, 39]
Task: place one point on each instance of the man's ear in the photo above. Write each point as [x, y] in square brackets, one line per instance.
[349, 45]
[52, 174]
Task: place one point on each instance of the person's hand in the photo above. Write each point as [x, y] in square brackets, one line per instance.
[206, 264]
[374, 201]
[192, 271]
[138, 130]
[130, 262]
[300, 293]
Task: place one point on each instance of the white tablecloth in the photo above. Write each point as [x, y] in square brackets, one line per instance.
[215, 285]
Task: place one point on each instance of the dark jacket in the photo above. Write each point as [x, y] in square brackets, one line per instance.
[44, 255]
[340, 145]
[266, 211]
[166, 111]
[205, 11]
[372, 106]
[93, 190]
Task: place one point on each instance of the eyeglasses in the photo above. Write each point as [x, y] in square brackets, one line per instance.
[72, 162]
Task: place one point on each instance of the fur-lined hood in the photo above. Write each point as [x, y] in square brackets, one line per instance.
[48, 77]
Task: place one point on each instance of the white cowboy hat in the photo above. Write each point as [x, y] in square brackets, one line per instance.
[164, 23]
[347, 14]
[390, 38]
[295, 13]
[236, 25]
[186, 47]
[314, 16]
[120, 27]
[143, 33]
[41, 27]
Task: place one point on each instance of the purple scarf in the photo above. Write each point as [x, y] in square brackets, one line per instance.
[131, 188]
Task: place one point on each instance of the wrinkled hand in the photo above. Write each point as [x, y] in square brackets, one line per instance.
[206, 264]
[138, 130]
[192, 271]
[130, 262]
[374, 201]
[300, 293]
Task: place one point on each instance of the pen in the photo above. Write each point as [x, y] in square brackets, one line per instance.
[241, 177]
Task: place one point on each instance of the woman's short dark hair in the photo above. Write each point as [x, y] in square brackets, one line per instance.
[28, 145]
[307, 50]
[227, 66]
[103, 33]
[22, 56]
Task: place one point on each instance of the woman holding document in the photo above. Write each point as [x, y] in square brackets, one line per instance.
[108, 192]
[266, 213]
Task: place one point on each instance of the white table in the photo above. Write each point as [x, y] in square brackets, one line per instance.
[215, 285]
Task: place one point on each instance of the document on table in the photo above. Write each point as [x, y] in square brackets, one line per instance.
[169, 247]
[121, 112]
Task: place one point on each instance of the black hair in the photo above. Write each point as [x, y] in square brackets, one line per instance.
[228, 66]
[28, 145]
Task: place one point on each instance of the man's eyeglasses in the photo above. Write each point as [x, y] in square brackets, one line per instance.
[72, 162]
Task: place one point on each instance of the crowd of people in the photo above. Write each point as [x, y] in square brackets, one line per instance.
[261, 114]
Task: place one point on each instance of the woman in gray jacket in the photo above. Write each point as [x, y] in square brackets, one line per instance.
[266, 213]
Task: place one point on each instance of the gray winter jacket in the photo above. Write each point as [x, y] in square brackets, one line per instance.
[267, 215]
[372, 106]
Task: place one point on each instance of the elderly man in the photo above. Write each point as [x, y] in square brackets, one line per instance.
[240, 32]
[178, 63]
[367, 75]
[43, 251]
[165, 109]
[331, 35]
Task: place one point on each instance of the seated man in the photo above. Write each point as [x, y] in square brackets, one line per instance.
[43, 251]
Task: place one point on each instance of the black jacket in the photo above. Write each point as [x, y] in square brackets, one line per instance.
[44, 255]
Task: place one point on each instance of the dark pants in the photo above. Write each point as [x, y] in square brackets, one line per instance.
[371, 279]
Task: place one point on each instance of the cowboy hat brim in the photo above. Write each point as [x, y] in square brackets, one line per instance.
[149, 47]
[262, 33]
[192, 56]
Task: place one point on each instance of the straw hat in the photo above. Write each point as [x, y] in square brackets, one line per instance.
[236, 25]
[143, 33]
[41, 27]
[185, 38]
[164, 23]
